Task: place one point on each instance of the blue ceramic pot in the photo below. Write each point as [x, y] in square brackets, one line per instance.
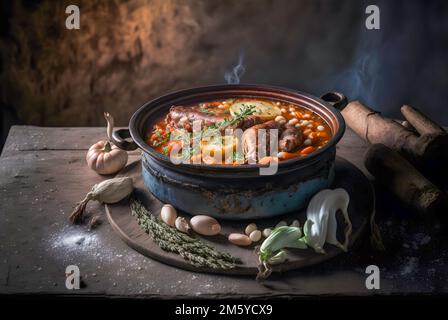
[235, 192]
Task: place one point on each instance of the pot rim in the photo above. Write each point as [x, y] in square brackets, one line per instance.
[140, 141]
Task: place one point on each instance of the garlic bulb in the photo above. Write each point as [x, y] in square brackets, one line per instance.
[107, 191]
[321, 224]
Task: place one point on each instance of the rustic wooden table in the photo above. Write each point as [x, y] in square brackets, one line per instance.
[43, 174]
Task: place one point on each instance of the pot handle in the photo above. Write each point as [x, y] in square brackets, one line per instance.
[336, 99]
[119, 139]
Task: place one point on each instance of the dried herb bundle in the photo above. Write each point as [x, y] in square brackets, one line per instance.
[169, 239]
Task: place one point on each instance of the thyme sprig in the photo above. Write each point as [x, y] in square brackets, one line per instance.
[237, 118]
[205, 110]
[194, 250]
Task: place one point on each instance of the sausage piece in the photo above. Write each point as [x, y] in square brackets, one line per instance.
[250, 136]
[249, 122]
[290, 139]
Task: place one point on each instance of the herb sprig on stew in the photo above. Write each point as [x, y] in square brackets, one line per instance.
[206, 111]
[163, 138]
[237, 118]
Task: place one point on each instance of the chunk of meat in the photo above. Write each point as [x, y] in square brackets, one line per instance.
[181, 117]
[290, 139]
[249, 122]
[250, 138]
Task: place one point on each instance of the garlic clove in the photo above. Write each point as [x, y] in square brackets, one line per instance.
[168, 214]
[182, 225]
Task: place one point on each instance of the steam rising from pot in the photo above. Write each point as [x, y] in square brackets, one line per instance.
[234, 76]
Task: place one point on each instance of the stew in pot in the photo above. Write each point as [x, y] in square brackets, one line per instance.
[227, 132]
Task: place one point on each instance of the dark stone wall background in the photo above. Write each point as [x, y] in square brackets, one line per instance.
[127, 52]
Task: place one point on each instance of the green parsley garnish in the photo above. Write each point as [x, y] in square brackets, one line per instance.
[237, 118]
[203, 110]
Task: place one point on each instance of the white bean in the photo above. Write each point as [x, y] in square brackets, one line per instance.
[255, 235]
[250, 228]
[267, 232]
[280, 118]
[293, 121]
[281, 224]
[292, 109]
[307, 142]
[283, 110]
[320, 128]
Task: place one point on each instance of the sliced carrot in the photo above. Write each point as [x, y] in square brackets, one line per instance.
[323, 134]
[299, 114]
[267, 160]
[307, 150]
[307, 131]
[286, 155]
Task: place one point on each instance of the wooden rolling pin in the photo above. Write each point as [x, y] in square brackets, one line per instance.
[426, 146]
[400, 177]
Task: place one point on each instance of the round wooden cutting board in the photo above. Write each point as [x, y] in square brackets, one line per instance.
[347, 176]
